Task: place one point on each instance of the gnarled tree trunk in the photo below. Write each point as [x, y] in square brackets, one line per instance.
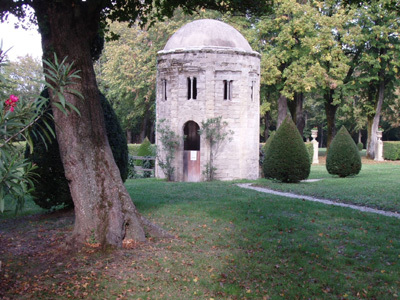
[104, 210]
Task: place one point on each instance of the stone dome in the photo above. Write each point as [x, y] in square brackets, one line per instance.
[207, 33]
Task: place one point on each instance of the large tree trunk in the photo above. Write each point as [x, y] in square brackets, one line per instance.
[296, 110]
[330, 110]
[267, 119]
[373, 123]
[104, 210]
[282, 110]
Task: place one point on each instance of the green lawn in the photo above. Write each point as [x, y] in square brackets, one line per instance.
[230, 243]
[243, 244]
[377, 186]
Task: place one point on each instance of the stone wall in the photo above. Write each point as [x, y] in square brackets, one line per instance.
[236, 159]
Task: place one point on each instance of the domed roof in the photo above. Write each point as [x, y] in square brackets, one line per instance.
[207, 33]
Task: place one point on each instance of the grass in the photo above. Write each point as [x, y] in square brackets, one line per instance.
[230, 243]
[376, 186]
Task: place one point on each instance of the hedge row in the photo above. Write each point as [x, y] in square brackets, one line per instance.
[391, 150]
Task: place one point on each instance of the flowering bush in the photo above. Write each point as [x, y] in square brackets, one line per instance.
[17, 117]
[16, 173]
[11, 103]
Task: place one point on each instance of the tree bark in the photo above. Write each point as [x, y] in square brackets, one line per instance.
[282, 110]
[267, 118]
[296, 110]
[104, 211]
[300, 119]
[373, 123]
[330, 110]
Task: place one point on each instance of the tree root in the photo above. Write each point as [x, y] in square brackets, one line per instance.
[153, 229]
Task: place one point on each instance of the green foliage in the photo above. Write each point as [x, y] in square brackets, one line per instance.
[287, 159]
[343, 158]
[52, 190]
[360, 146]
[24, 78]
[169, 143]
[62, 75]
[391, 150]
[268, 142]
[310, 150]
[215, 132]
[17, 117]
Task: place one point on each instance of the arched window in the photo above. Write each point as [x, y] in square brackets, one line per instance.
[192, 136]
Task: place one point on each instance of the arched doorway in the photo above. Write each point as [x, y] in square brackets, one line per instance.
[191, 153]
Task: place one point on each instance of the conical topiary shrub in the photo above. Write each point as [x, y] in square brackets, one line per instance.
[144, 150]
[343, 157]
[287, 159]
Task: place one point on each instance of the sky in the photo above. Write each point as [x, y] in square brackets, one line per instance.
[21, 42]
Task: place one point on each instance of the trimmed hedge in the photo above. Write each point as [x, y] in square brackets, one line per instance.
[310, 150]
[287, 158]
[343, 158]
[391, 150]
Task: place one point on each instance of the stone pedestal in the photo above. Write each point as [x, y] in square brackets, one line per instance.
[379, 147]
[314, 134]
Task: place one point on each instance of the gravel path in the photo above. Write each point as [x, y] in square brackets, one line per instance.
[324, 201]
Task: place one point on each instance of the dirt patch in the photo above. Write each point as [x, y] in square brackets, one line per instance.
[36, 265]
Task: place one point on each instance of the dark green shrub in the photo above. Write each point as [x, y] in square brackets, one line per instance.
[360, 146]
[264, 148]
[287, 159]
[343, 158]
[116, 137]
[310, 150]
[51, 186]
[391, 150]
[268, 142]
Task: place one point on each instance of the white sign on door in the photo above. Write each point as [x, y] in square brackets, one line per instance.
[193, 155]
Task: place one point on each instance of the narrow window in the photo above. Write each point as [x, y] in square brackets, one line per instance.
[164, 89]
[189, 88]
[225, 90]
[252, 91]
[228, 89]
[194, 88]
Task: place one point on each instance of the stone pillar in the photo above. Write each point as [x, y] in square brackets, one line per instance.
[379, 147]
[314, 134]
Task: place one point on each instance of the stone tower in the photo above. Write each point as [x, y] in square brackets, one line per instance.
[206, 70]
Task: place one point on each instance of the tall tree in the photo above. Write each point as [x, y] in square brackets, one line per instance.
[379, 67]
[103, 208]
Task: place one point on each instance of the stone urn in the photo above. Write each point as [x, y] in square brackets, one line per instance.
[379, 134]
[314, 133]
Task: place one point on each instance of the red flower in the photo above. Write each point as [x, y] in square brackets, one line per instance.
[11, 103]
